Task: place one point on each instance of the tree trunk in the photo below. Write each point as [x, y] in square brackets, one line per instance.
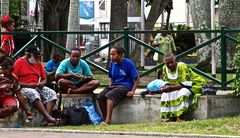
[73, 24]
[4, 8]
[134, 10]
[118, 19]
[156, 10]
[55, 19]
[229, 17]
[200, 11]
[157, 7]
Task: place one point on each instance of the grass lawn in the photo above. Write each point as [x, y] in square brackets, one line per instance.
[222, 126]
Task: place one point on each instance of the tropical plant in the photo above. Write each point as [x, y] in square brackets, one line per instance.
[237, 66]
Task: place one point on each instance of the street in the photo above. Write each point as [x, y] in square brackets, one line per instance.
[28, 134]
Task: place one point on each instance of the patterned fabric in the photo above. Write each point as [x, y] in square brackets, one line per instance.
[176, 103]
[46, 94]
[166, 43]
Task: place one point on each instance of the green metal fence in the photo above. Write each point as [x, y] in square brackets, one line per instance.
[126, 35]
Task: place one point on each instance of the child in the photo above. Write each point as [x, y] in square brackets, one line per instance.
[124, 80]
[53, 64]
[9, 89]
[7, 43]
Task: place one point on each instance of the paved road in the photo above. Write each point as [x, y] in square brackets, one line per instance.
[19, 134]
[54, 133]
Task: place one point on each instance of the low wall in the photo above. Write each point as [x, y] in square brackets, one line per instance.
[140, 110]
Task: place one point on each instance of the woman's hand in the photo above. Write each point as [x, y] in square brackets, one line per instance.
[130, 93]
[166, 88]
[169, 88]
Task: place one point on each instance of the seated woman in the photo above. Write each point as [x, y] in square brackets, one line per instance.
[183, 91]
[124, 80]
[10, 95]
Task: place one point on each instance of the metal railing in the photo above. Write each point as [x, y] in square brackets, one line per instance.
[126, 36]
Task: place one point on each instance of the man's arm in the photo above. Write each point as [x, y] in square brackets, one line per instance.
[42, 83]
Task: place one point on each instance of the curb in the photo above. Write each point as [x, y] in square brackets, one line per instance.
[116, 133]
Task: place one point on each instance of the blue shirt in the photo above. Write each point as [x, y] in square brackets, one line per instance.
[123, 73]
[52, 65]
[82, 68]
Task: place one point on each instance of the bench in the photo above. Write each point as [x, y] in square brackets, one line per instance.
[140, 110]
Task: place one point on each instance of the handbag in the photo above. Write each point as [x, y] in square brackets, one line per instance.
[73, 116]
[155, 56]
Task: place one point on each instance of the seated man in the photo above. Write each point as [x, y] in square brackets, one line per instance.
[75, 76]
[32, 79]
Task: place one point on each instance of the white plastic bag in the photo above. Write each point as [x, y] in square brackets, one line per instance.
[155, 56]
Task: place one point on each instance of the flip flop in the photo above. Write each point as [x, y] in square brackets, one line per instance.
[104, 123]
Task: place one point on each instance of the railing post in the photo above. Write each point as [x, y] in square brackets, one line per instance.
[38, 42]
[126, 42]
[223, 58]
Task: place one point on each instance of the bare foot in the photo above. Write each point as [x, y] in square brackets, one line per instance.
[107, 122]
[69, 91]
[179, 119]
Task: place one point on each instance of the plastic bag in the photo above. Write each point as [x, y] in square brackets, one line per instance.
[93, 115]
[155, 85]
[155, 56]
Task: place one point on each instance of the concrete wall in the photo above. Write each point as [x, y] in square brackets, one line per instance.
[139, 110]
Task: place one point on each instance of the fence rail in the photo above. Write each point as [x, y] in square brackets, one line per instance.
[127, 35]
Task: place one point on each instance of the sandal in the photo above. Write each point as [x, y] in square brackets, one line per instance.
[104, 123]
[29, 119]
[57, 122]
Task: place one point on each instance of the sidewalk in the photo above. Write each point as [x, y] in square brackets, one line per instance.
[58, 133]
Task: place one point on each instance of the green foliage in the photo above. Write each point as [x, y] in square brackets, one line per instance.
[15, 11]
[237, 66]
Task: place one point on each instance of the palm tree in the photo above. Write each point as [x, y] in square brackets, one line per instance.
[55, 18]
[229, 17]
[73, 23]
[4, 7]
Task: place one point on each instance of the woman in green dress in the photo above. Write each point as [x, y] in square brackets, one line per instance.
[183, 91]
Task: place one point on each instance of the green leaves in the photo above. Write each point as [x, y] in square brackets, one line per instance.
[237, 66]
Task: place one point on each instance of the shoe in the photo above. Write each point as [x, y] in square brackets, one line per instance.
[57, 122]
